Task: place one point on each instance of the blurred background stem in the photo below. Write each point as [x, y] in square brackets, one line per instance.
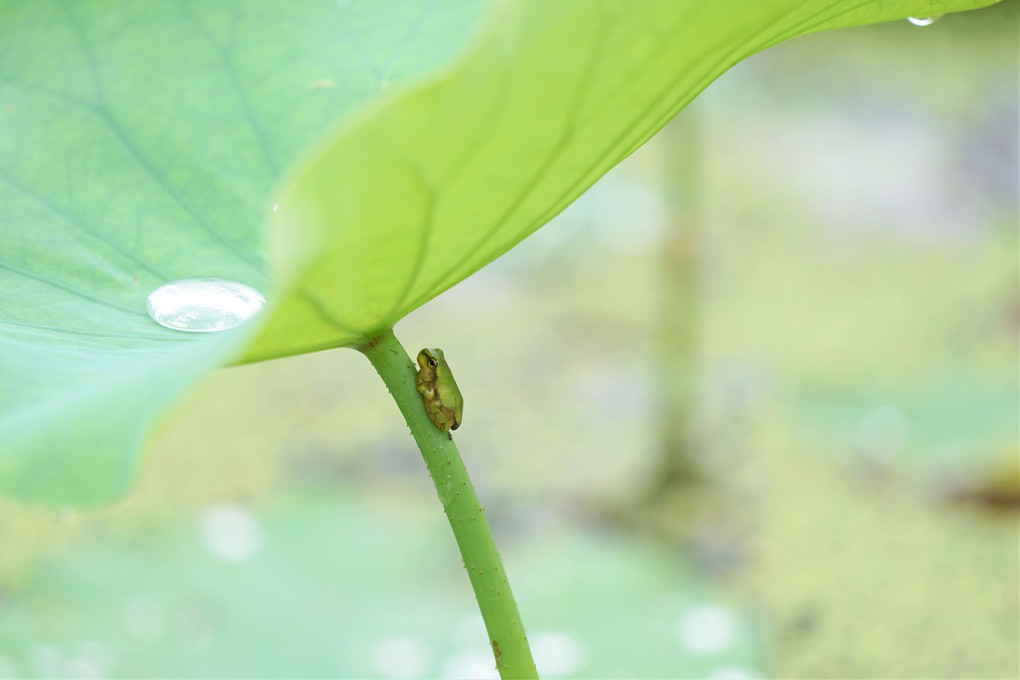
[678, 465]
[463, 509]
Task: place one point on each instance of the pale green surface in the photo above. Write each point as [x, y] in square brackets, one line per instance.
[140, 143]
[285, 613]
[846, 572]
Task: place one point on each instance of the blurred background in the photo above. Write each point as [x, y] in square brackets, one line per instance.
[747, 409]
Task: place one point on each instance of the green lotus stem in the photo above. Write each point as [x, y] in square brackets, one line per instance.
[464, 511]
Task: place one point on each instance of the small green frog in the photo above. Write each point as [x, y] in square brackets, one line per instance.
[442, 397]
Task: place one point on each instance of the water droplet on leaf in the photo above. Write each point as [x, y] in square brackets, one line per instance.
[559, 653]
[402, 657]
[924, 21]
[204, 304]
[707, 629]
[469, 665]
[231, 533]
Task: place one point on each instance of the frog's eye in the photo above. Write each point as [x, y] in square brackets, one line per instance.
[432, 363]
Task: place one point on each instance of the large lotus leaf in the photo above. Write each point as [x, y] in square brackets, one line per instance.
[140, 142]
[427, 191]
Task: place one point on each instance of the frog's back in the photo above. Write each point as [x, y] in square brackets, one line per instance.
[450, 394]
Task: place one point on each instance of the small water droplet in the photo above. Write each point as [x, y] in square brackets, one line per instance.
[275, 206]
[204, 304]
[231, 533]
[559, 653]
[924, 21]
[707, 629]
[469, 666]
[402, 657]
